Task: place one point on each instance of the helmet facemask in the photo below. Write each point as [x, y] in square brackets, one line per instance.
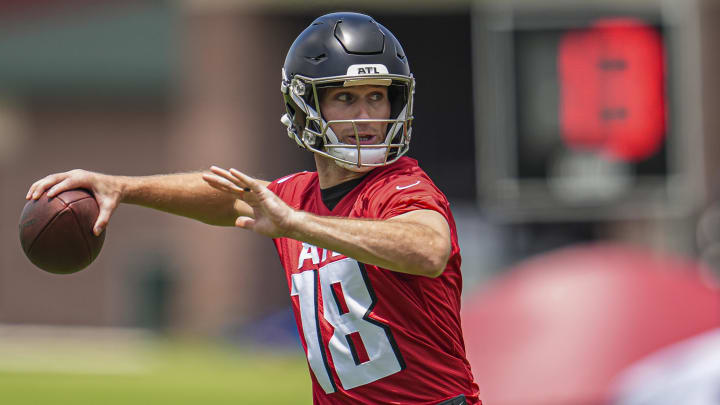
[316, 134]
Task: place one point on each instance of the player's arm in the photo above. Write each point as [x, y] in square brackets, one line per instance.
[183, 194]
[416, 242]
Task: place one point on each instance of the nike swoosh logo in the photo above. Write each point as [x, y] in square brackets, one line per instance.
[404, 187]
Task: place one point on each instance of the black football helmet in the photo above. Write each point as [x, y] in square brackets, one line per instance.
[347, 49]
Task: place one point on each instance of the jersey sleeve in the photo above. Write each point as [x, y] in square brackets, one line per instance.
[290, 187]
[406, 194]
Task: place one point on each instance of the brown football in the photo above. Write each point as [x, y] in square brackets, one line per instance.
[56, 233]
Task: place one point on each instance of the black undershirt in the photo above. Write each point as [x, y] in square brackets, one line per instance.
[331, 196]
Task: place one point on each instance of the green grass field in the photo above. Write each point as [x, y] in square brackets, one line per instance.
[153, 372]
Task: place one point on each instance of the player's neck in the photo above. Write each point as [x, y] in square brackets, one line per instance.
[330, 174]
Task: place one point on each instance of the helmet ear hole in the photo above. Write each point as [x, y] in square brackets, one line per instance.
[290, 109]
[294, 114]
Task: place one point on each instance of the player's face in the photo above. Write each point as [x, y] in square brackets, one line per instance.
[357, 102]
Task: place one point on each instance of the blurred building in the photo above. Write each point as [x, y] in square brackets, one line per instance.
[140, 88]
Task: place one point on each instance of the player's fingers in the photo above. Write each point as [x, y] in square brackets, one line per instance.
[64, 185]
[34, 187]
[221, 172]
[222, 184]
[226, 175]
[245, 223]
[39, 187]
[246, 180]
[106, 210]
[31, 190]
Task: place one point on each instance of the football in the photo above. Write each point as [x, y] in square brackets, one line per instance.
[56, 233]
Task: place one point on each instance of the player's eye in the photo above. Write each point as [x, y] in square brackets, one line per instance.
[376, 96]
[344, 97]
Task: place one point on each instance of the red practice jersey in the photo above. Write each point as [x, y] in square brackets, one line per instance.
[374, 336]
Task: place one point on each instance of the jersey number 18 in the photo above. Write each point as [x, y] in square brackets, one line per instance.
[362, 349]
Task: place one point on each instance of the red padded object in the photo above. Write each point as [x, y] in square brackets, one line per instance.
[557, 329]
[56, 233]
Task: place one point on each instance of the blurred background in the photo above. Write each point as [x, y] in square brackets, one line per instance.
[576, 140]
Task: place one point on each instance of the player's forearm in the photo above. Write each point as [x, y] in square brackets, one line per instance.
[184, 194]
[395, 245]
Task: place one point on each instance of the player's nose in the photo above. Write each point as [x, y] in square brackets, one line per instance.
[363, 110]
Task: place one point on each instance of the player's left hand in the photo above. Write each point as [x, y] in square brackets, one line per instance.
[272, 217]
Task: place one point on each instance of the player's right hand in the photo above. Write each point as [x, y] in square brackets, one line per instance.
[106, 189]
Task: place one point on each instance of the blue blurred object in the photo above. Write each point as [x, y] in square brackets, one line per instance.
[277, 330]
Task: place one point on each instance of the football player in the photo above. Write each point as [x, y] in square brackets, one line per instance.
[367, 240]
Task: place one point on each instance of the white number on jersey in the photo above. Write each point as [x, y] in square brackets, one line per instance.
[362, 349]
